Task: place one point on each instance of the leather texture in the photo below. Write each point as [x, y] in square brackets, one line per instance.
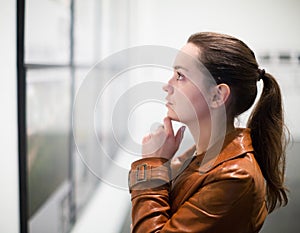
[225, 193]
[142, 172]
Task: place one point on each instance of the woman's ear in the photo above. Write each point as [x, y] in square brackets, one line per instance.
[219, 95]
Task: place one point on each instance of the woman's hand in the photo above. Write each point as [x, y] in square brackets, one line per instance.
[162, 143]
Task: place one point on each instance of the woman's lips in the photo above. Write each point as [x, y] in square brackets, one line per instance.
[168, 104]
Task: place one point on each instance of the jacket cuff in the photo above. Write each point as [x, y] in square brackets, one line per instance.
[148, 173]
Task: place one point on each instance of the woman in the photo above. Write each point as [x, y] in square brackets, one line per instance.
[233, 177]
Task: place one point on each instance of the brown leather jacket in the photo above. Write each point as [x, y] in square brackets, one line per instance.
[226, 196]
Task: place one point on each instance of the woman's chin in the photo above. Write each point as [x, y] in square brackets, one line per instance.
[173, 116]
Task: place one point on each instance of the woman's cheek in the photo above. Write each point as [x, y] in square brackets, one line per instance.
[184, 111]
[192, 107]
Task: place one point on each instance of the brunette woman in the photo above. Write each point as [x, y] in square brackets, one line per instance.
[232, 177]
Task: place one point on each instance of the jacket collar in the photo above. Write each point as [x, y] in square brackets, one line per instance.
[235, 144]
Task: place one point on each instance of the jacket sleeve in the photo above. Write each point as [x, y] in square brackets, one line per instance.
[227, 196]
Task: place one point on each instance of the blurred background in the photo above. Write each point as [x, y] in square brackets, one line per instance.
[53, 177]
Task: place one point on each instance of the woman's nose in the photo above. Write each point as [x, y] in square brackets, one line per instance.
[168, 88]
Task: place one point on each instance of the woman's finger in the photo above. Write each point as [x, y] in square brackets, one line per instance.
[146, 139]
[168, 126]
[179, 136]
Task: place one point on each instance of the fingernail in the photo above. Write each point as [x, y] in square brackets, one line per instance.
[182, 132]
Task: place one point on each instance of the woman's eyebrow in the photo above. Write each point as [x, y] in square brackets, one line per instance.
[180, 67]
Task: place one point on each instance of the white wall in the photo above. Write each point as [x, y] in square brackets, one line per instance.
[9, 199]
[268, 24]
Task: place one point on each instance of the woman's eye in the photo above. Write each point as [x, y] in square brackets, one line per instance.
[179, 76]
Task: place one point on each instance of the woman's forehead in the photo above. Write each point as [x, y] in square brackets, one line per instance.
[187, 57]
[187, 60]
[191, 50]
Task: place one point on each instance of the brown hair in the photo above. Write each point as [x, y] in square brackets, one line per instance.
[231, 61]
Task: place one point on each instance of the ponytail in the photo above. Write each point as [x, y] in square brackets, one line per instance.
[269, 142]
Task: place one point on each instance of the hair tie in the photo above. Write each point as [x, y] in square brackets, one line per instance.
[261, 74]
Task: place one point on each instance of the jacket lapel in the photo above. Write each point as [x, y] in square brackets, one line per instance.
[189, 170]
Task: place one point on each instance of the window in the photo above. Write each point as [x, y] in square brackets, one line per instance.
[60, 41]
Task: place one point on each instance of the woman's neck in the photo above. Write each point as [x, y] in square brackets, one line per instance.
[205, 135]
